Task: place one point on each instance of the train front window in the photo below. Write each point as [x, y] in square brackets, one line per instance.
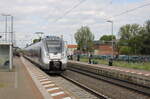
[54, 46]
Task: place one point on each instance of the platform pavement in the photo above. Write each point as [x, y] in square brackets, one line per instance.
[18, 84]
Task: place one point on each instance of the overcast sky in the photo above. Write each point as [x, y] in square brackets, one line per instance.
[32, 16]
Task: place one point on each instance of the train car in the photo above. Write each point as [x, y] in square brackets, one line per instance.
[50, 54]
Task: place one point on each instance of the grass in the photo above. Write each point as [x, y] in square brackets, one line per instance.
[141, 66]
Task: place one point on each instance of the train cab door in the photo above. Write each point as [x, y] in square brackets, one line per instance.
[40, 54]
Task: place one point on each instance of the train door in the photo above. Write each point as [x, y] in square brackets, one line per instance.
[40, 54]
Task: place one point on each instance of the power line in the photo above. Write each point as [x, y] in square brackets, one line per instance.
[102, 19]
[68, 11]
[130, 10]
[122, 13]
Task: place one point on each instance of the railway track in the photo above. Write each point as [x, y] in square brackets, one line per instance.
[97, 93]
[101, 96]
[131, 86]
[58, 79]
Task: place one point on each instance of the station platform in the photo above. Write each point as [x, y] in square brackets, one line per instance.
[18, 84]
[139, 77]
[145, 73]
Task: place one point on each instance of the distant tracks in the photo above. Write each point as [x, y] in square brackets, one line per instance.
[131, 86]
[101, 96]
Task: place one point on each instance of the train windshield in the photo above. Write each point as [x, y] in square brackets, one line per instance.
[54, 46]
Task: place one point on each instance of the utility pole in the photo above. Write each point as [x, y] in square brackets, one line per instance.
[112, 23]
[5, 28]
[11, 44]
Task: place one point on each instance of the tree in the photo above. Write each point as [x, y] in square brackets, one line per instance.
[147, 26]
[125, 50]
[129, 31]
[144, 39]
[84, 39]
[129, 36]
[107, 38]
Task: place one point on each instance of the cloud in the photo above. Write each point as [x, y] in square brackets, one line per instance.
[31, 16]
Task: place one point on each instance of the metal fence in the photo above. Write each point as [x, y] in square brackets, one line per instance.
[132, 58]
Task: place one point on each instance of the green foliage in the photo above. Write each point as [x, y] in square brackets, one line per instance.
[128, 31]
[125, 50]
[144, 39]
[84, 39]
[107, 38]
[136, 38]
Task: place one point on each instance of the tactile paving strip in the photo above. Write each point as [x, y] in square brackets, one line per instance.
[54, 90]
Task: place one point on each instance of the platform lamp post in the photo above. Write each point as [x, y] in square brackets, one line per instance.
[112, 23]
[11, 40]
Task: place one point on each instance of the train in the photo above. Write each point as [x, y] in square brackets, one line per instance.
[50, 54]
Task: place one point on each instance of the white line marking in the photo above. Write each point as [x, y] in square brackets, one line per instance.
[51, 89]
[139, 73]
[45, 79]
[46, 82]
[147, 74]
[39, 75]
[41, 78]
[50, 85]
[67, 98]
[58, 93]
[133, 72]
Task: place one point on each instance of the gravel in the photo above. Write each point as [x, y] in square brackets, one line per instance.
[72, 88]
[108, 89]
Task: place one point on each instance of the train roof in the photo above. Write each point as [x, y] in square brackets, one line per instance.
[47, 38]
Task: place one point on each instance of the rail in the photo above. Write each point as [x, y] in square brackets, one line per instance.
[138, 88]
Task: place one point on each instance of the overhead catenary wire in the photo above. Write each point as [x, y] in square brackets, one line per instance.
[117, 15]
[68, 11]
[130, 10]
[104, 19]
[127, 11]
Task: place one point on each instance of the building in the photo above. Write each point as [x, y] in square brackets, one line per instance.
[104, 48]
[71, 49]
[100, 48]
